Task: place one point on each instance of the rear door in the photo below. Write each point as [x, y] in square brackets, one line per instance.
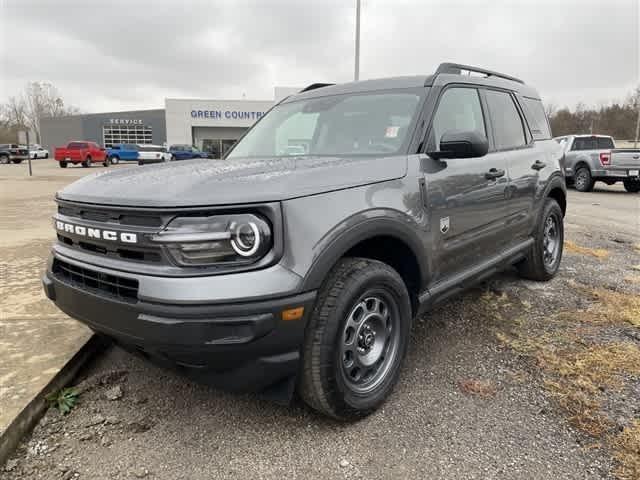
[465, 196]
[513, 142]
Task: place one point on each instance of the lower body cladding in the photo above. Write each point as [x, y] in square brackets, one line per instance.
[247, 346]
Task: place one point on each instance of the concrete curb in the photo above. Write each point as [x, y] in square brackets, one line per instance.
[35, 409]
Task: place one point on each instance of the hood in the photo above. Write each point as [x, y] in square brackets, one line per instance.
[225, 182]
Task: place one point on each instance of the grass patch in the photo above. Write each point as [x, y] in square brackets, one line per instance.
[64, 399]
[578, 371]
[573, 247]
[627, 446]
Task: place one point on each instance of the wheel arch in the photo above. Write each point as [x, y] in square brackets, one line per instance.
[388, 240]
[557, 189]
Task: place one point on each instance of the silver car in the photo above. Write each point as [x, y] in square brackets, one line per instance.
[591, 158]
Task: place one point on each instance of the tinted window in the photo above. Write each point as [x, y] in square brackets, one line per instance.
[585, 143]
[459, 110]
[508, 131]
[537, 119]
[605, 143]
[76, 146]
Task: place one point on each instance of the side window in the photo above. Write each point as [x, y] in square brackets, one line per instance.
[459, 110]
[508, 130]
[536, 117]
[605, 143]
[585, 143]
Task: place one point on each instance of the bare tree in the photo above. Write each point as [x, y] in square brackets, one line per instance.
[40, 99]
[550, 109]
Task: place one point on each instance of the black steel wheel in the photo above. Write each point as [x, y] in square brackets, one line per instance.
[543, 260]
[355, 340]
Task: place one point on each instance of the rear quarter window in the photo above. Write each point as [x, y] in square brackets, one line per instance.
[605, 143]
[536, 118]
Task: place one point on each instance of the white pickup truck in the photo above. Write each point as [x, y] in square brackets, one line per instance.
[591, 158]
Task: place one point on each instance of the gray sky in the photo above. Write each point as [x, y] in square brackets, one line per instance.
[116, 55]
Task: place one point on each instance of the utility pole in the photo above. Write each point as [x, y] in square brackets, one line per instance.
[356, 75]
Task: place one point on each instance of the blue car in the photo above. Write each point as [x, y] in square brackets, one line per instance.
[131, 152]
[185, 152]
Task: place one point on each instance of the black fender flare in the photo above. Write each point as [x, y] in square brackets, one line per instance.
[373, 223]
[556, 180]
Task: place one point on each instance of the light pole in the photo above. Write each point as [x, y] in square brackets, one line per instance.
[356, 75]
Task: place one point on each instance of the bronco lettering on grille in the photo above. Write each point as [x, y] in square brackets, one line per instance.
[89, 232]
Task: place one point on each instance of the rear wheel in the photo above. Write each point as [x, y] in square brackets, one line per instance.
[115, 160]
[631, 185]
[17, 161]
[46, 155]
[543, 260]
[63, 164]
[356, 339]
[583, 180]
[106, 162]
[5, 159]
[87, 162]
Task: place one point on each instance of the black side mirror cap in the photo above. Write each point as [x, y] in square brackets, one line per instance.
[461, 144]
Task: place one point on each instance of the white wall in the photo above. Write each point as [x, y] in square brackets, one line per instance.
[182, 114]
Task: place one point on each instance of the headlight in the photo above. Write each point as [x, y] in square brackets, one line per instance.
[218, 240]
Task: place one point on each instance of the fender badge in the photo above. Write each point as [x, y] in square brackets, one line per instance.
[444, 225]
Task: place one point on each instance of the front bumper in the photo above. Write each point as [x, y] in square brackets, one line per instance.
[241, 346]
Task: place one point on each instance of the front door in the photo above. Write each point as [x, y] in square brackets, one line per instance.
[465, 197]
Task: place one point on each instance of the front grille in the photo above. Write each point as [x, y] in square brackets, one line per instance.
[102, 284]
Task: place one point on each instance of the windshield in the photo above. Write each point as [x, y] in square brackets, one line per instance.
[352, 124]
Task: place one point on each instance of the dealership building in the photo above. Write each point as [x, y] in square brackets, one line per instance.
[210, 125]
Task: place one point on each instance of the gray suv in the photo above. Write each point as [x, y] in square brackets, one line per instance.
[300, 262]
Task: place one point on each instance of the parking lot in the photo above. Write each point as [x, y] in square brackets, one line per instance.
[493, 385]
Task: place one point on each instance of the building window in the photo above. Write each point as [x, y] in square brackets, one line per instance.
[116, 134]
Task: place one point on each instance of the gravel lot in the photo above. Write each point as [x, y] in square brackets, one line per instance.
[474, 401]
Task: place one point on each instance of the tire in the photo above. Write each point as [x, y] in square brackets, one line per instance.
[583, 180]
[359, 296]
[63, 164]
[46, 155]
[106, 162]
[17, 161]
[115, 160]
[87, 162]
[543, 260]
[5, 159]
[631, 185]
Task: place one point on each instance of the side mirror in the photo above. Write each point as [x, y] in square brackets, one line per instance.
[457, 144]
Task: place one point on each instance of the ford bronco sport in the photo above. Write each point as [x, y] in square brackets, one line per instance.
[300, 262]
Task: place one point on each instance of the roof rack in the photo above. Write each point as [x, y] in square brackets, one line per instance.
[457, 69]
[313, 86]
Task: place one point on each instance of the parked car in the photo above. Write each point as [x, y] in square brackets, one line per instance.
[186, 152]
[11, 152]
[138, 153]
[275, 271]
[80, 152]
[591, 158]
[37, 151]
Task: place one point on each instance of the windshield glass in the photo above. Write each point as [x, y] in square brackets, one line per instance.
[351, 124]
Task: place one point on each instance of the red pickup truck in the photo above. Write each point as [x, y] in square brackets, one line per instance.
[84, 153]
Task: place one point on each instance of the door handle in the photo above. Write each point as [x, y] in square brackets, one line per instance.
[538, 165]
[493, 174]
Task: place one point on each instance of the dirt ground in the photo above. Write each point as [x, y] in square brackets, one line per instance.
[513, 379]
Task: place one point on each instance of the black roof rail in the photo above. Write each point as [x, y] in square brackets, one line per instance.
[313, 86]
[457, 69]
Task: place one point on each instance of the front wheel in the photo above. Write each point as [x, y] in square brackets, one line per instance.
[87, 162]
[17, 161]
[115, 160]
[356, 339]
[5, 159]
[631, 185]
[543, 260]
[63, 164]
[583, 180]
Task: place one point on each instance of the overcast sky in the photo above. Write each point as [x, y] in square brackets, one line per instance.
[106, 55]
